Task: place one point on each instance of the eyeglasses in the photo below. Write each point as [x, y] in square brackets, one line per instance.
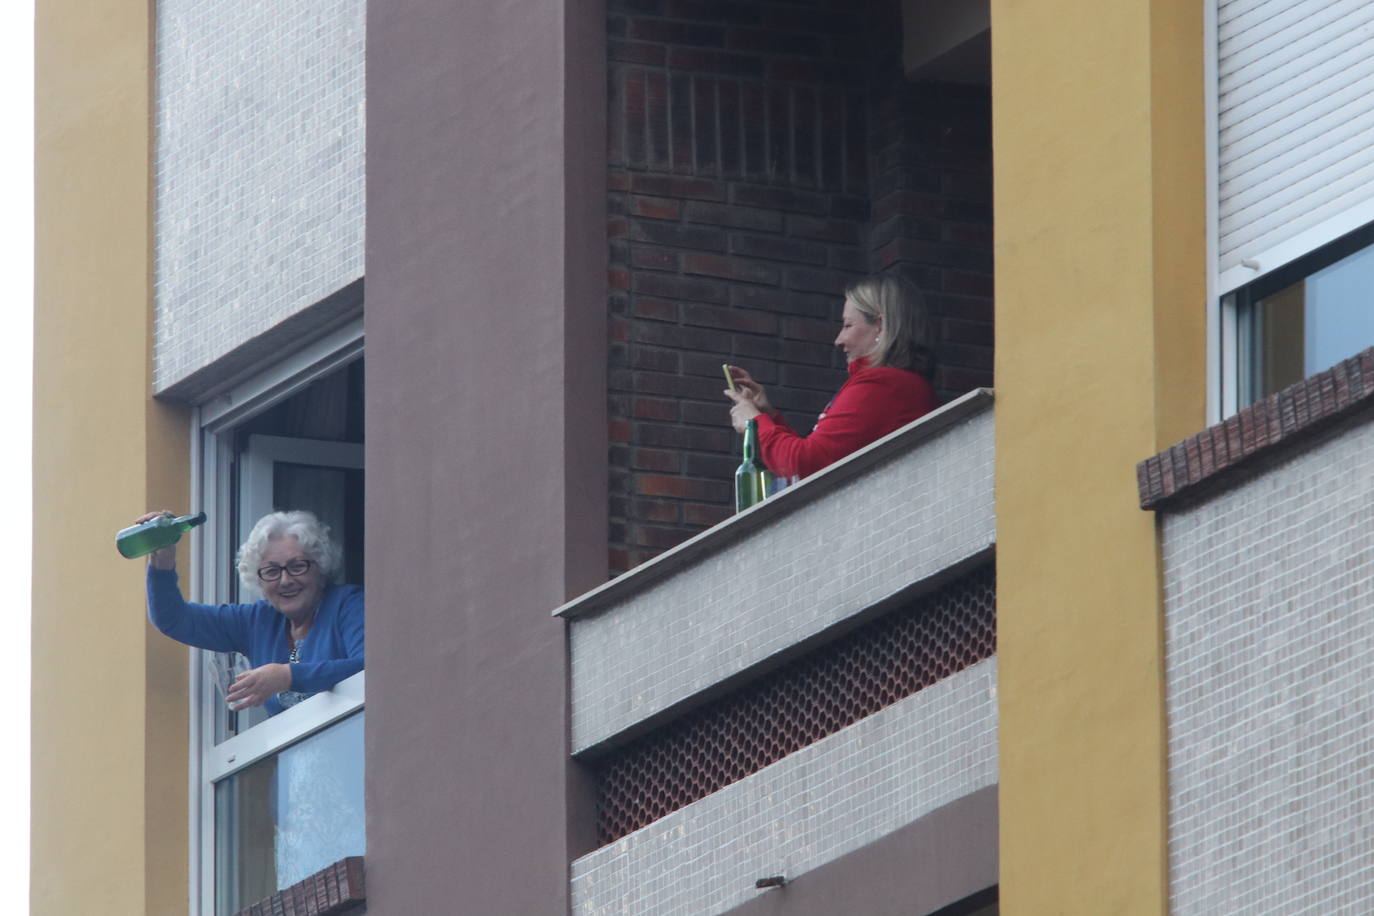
[297, 567]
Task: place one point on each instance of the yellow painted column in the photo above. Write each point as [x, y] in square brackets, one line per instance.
[109, 751]
[1098, 139]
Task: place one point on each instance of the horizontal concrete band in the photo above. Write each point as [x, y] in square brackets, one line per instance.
[943, 858]
[813, 808]
[748, 595]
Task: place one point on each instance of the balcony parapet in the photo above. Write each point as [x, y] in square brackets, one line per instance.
[884, 524]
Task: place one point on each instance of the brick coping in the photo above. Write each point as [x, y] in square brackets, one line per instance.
[332, 891]
[1242, 445]
[720, 536]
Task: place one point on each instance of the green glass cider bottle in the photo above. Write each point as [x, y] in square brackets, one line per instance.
[752, 479]
[155, 533]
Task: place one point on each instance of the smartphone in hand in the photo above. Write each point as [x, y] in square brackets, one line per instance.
[729, 379]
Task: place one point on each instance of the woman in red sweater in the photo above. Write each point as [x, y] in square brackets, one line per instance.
[884, 335]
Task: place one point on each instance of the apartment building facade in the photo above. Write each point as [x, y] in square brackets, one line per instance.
[460, 277]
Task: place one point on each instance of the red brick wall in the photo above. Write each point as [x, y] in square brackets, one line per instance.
[334, 891]
[932, 216]
[751, 147]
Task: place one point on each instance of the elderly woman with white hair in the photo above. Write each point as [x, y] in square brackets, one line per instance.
[304, 636]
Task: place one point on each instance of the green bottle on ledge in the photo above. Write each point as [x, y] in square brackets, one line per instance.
[155, 533]
[752, 479]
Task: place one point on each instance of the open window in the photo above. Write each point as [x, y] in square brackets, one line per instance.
[277, 799]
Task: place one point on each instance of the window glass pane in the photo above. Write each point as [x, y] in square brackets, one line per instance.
[224, 667]
[287, 817]
[1340, 315]
[1278, 359]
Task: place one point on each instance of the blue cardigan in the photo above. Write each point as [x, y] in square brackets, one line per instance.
[332, 651]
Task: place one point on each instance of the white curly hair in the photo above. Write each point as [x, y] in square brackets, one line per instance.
[314, 537]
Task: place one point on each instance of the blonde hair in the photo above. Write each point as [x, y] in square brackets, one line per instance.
[905, 339]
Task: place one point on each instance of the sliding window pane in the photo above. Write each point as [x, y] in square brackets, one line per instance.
[1340, 311]
[1308, 326]
[287, 817]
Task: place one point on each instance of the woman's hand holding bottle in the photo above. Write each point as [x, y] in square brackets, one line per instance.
[163, 557]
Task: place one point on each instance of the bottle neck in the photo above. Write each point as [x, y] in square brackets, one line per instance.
[751, 440]
[189, 521]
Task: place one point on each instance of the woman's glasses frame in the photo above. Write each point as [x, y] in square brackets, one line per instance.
[295, 569]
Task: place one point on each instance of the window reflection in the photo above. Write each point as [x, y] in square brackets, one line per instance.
[287, 817]
[1339, 315]
[1308, 325]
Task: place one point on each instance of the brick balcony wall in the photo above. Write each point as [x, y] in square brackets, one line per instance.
[339, 890]
[743, 163]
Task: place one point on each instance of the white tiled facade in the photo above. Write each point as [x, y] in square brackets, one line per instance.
[901, 522]
[259, 169]
[1270, 665]
[833, 797]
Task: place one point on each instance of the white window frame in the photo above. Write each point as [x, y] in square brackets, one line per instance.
[1220, 368]
[211, 445]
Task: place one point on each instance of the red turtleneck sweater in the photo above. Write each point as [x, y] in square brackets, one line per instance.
[871, 404]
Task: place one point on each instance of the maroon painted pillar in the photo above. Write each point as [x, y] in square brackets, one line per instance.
[486, 441]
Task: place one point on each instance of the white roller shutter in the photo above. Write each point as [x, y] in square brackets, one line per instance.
[1295, 110]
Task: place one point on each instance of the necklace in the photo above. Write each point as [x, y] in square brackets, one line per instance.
[292, 641]
[295, 649]
[289, 698]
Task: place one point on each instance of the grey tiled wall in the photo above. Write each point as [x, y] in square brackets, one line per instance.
[259, 169]
[809, 808]
[1270, 656]
[899, 523]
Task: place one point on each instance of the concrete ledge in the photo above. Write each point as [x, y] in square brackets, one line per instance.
[720, 537]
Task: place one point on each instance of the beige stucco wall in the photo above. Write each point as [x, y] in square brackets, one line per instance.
[1101, 303]
[109, 708]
